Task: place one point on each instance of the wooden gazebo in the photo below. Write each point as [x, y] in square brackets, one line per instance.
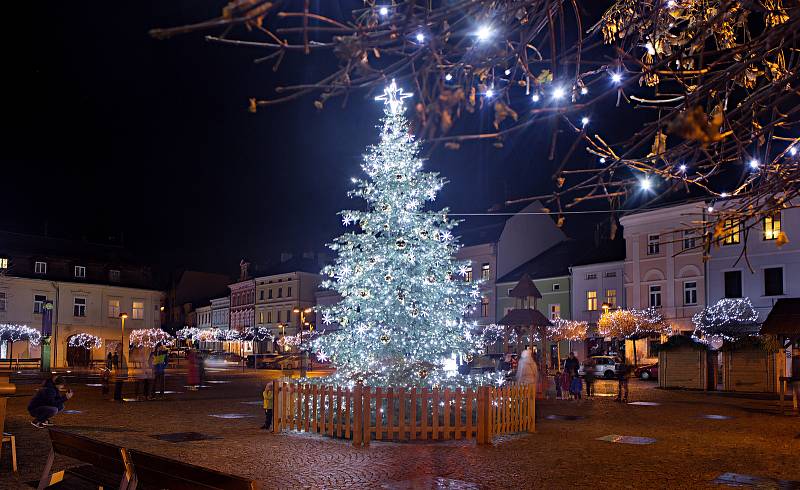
[525, 317]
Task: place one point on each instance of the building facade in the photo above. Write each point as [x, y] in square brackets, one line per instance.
[220, 312]
[483, 268]
[664, 264]
[203, 316]
[595, 285]
[242, 304]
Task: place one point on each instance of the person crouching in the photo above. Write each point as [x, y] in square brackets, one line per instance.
[48, 401]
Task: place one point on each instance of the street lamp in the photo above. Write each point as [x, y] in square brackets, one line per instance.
[123, 351]
[123, 348]
[303, 313]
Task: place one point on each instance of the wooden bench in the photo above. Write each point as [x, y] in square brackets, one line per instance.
[107, 465]
[158, 472]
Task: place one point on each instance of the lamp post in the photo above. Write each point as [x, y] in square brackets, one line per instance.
[123, 351]
[123, 354]
[304, 353]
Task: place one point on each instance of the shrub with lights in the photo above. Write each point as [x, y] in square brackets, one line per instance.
[633, 325]
[12, 332]
[403, 295]
[85, 340]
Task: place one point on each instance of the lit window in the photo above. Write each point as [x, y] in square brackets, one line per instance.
[611, 298]
[653, 244]
[80, 272]
[772, 226]
[138, 310]
[38, 303]
[3, 263]
[690, 293]
[484, 307]
[655, 296]
[2, 301]
[113, 275]
[79, 306]
[555, 311]
[468, 274]
[40, 267]
[485, 272]
[730, 232]
[261, 316]
[689, 239]
[113, 308]
[591, 276]
[773, 281]
[591, 300]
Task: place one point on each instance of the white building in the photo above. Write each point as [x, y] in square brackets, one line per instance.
[220, 312]
[203, 316]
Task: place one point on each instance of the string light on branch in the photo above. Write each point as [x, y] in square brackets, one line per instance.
[632, 324]
[571, 330]
[728, 318]
[187, 333]
[150, 337]
[484, 33]
[12, 332]
[85, 340]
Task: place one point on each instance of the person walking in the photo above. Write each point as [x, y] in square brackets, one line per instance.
[589, 377]
[623, 375]
[571, 366]
[159, 369]
[109, 361]
[48, 401]
[115, 360]
[192, 376]
[527, 370]
[268, 398]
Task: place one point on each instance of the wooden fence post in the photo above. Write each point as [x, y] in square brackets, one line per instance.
[483, 413]
[532, 410]
[277, 415]
[357, 414]
[366, 408]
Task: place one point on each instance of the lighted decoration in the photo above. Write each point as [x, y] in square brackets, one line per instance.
[632, 324]
[571, 330]
[258, 334]
[149, 337]
[12, 332]
[288, 341]
[393, 329]
[85, 340]
[727, 319]
[187, 333]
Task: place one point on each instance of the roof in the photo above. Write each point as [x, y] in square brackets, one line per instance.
[525, 288]
[524, 317]
[553, 262]
[784, 319]
[486, 233]
[295, 264]
[606, 251]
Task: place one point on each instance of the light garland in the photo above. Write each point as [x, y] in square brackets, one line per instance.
[633, 324]
[187, 333]
[257, 334]
[728, 319]
[402, 308]
[571, 330]
[12, 332]
[149, 337]
[85, 340]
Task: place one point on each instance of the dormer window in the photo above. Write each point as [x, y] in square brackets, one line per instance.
[113, 275]
[80, 272]
[40, 267]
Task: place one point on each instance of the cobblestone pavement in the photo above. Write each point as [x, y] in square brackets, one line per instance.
[690, 451]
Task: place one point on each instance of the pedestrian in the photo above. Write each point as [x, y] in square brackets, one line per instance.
[142, 374]
[527, 370]
[575, 387]
[150, 376]
[623, 374]
[109, 361]
[564, 380]
[557, 382]
[159, 369]
[571, 365]
[268, 396]
[115, 360]
[588, 376]
[48, 401]
[201, 367]
[192, 376]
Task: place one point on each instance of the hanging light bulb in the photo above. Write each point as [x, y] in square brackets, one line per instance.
[584, 121]
[645, 184]
[753, 164]
[682, 168]
[535, 97]
[484, 33]
[584, 90]
[383, 11]
[558, 92]
[616, 77]
[448, 77]
[420, 37]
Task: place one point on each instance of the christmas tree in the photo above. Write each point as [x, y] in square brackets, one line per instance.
[401, 316]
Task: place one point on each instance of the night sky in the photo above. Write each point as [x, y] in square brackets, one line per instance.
[110, 133]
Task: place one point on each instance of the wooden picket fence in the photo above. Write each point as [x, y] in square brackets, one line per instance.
[363, 413]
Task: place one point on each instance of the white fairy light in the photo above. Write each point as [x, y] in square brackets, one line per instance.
[645, 184]
[448, 77]
[85, 340]
[793, 151]
[535, 97]
[584, 121]
[616, 77]
[420, 37]
[489, 93]
[650, 49]
[682, 167]
[558, 92]
[149, 337]
[584, 90]
[728, 318]
[508, 71]
[710, 209]
[484, 33]
[12, 332]
[602, 159]
[383, 11]
[754, 164]
[723, 194]
[393, 97]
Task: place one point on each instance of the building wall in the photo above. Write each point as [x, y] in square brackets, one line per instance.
[600, 278]
[101, 312]
[242, 305]
[203, 317]
[478, 256]
[220, 313]
[670, 268]
[275, 301]
[524, 237]
[761, 254]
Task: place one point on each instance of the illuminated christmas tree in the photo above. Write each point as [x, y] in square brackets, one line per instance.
[403, 295]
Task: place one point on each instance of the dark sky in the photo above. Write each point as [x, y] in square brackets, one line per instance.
[107, 131]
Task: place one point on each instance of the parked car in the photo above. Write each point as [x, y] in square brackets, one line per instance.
[650, 371]
[604, 366]
[269, 361]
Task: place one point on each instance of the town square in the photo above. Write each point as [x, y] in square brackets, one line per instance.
[451, 244]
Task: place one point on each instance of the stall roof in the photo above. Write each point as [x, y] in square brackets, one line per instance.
[784, 319]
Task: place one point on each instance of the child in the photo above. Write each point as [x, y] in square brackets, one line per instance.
[576, 387]
[557, 382]
[267, 406]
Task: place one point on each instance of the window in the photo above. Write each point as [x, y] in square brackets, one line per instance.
[484, 307]
[138, 310]
[689, 239]
[269, 317]
[653, 245]
[772, 226]
[79, 307]
[113, 308]
[611, 274]
[591, 300]
[279, 316]
[773, 281]
[269, 294]
[591, 276]
[3, 263]
[261, 295]
[556, 286]
[40, 267]
[80, 271]
[509, 291]
[655, 296]
[288, 316]
[733, 284]
[611, 298]
[468, 274]
[280, 292]
[113, 275]
[485, 272]
[730, 231]
[2, 301]
[690, 293]
[652, 347]
[261, 316]
[555, 311]
[38, 303]
[288, 291]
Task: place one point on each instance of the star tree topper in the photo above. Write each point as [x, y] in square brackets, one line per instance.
[393, 97]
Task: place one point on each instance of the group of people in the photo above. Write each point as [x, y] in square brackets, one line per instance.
[147, 368]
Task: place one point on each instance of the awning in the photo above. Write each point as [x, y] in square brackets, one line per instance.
[784, 319]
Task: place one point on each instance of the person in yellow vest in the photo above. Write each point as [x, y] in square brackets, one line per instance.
[267, 406]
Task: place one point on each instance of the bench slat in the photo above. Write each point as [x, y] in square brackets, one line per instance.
[177, 475]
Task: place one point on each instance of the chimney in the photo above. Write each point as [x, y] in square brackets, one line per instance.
[243, 266]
